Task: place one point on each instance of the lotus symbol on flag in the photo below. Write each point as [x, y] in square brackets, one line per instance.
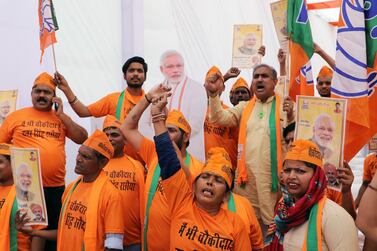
[47, 18]
[356, 76]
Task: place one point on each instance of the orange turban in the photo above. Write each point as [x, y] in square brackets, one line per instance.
[218, 162]
[176, 118]
[239, 83]
[111, 121]
[305, 150]
[45, 79]
[325, 72]
[99, 142]
[5, 149]
[214, 71]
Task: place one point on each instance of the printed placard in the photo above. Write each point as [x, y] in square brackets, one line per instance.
[372, 145]
[8, 101]
[279, 15]
[246, 41]
[28, 180]
[322, 120]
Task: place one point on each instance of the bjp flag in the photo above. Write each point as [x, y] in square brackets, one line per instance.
[301, 49]
[355, 75]
[47, 24]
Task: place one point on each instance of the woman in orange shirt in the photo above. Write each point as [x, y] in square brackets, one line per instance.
[197, 220]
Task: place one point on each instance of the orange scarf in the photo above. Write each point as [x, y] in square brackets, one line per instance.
[90, 235]
[275, 146]
[4, 219]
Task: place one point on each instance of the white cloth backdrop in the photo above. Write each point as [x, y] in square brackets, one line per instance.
[96, 36]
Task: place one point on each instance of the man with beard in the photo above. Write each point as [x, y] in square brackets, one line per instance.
[117, 104]
[156, 216]
[187, 97]
[41, 127]
[259, 142]
[323, 134]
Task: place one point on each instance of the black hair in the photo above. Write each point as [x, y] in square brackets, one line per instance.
[182, 133]
[273, 71]
[100, 157]
[288, 129]
[135, 59]
[311, 165]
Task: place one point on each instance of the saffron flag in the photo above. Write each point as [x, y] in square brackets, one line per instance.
[355, 74]
[47, 24]
[301, 49]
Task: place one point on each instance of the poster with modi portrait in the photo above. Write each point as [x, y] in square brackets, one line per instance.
[8, 101]
[27, 178]
[322, 120]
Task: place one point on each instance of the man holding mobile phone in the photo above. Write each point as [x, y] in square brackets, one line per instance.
[41, 127]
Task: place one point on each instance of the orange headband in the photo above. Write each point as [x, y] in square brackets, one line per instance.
[325, 72]
[176, 118]
[111, 121]
[99, 142]
[305, 150]
[214, 71]
[5, 149]
[240, 83]
[45, 79]
[218, 162]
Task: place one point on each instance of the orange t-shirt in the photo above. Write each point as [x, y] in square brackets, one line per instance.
[29, 127]
[23, 240]
[128, 178]
[247, 214]
[108, 104]
[221, 136]
[370, 167]
[194, 229]
[110, 213]
[159, 214]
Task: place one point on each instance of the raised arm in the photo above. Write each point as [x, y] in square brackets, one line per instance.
[129, 127]
[74, 131]
[346, 177]
[80, 109]
[214, 86]
[324, 55]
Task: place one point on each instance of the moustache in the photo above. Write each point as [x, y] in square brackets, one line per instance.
[42, 99]
[135, 78]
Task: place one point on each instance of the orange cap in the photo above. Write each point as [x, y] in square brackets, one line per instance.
[305, 150]
[218, 162]
[176, 118]
[214, 71]
[239, 83]
[99, 142]
[5, 149]
[111, 121]
[45, 79]
[325, 72]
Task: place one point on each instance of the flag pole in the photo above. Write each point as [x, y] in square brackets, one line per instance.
[54, 57]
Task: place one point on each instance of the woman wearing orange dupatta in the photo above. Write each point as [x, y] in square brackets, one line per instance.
[305, 219]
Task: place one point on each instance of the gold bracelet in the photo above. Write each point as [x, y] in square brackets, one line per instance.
[372, 187]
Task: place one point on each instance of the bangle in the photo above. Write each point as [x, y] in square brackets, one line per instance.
[148, 100]
[73, 101]
[372, 187]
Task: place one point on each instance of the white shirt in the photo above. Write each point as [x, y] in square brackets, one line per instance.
[189, 97]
